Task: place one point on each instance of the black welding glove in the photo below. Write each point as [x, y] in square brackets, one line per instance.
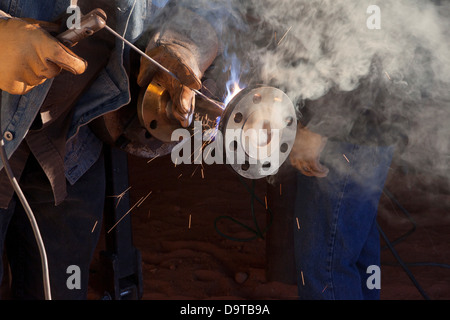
[186, 44]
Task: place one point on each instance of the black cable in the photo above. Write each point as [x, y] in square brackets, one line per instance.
[258, 232]
[407, 214]
[402, 264]
[390, 245]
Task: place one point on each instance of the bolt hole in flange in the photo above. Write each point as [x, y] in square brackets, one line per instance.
[154, 125]
[245, 166]
[267, 122]
[257, 98]
[266, 165]
[284, 147]
[289, 121]
[238, 117]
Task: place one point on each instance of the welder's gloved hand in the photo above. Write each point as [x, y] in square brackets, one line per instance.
[29, 56]
[187, 46]
[180, 62]
[305, 154]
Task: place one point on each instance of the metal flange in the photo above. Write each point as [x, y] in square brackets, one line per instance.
[258, 127]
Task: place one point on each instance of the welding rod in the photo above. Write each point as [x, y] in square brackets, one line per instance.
[160, 66]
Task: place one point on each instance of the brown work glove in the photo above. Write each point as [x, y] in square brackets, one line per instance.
[305, 154]
[187, 45]
[29, 55]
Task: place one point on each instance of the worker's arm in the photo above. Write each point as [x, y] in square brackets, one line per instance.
[186, 44]
[29, 56]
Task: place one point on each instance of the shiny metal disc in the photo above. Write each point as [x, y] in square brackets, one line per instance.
[258, 127]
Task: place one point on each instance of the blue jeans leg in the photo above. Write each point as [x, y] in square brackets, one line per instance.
[67, 231]
[335, 236]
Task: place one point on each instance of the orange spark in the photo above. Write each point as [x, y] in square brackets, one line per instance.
[139, 201]
[93, 228]
[346, 158]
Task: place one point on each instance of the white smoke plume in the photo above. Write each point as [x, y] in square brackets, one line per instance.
[309, 47]
[327, 43]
